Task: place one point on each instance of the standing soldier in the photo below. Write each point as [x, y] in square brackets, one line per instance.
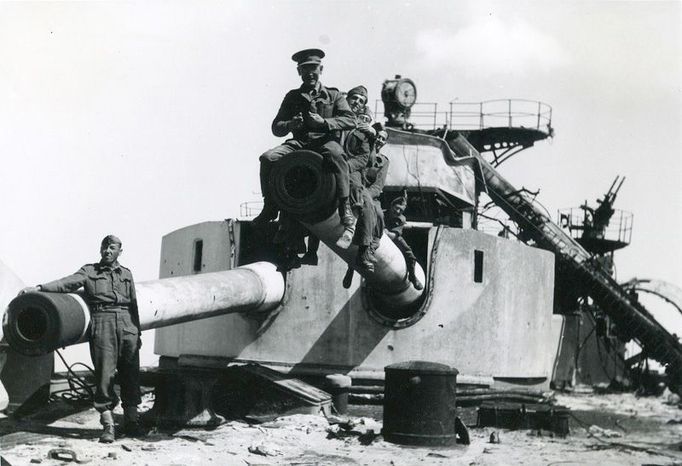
[115, 340]
[314, 115]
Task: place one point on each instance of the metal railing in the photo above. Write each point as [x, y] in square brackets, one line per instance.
[499, 113]
[250, 209]
[580, 225]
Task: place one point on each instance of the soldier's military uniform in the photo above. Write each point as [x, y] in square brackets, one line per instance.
[109, 291]
[394, 223]
[331, 105]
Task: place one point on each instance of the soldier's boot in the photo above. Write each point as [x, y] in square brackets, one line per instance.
[131, 422]
[288, 261]
[266, 215]
[413, 277]
[106, 418]
[309, 258]
[365, 260]
[346, 238]
[280, 235]
[346, 213]
[348, 278]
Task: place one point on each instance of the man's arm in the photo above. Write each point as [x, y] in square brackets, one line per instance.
[66, 284]
[286, 120]
[343, 117]
[358, 151]
[395, 224]
[134, 311]
[377, 187]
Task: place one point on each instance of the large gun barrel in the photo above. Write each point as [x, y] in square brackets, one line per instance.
[37, 323]
[302, 188]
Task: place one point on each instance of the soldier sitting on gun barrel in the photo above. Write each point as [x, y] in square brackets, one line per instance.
[371, 225]
[315, 115]
[395, 221]
[358, 145]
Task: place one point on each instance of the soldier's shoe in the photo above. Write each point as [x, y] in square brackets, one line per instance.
[346, 239]
[414, 280]
[365, 266]
[348, 278]
[309, 258]
[131, 423]
[365, 260]
[133, 429]
[108, 433]
[266, 215]
[289, 262]
[346, 214]
[298, 246]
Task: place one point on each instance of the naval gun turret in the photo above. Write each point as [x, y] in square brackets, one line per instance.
[486, 306]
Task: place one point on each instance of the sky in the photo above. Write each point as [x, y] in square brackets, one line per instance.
[139, 118]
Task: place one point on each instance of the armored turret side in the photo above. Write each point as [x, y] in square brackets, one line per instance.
[422, 162]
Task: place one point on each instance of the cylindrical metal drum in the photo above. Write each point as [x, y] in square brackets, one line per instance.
[419, 403]
[338, 386]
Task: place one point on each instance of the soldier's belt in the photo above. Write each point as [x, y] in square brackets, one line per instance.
[109, 307]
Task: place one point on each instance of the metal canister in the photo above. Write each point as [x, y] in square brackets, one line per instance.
[419, 403]
[338, 386]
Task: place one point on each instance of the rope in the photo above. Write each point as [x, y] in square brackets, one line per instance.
[79, 389]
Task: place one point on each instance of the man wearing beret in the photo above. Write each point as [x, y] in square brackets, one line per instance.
[315, 115]
[109, 290]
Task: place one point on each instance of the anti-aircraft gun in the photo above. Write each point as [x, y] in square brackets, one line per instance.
[601, 216]
[597, 219]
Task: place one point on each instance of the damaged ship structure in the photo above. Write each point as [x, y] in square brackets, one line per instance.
[502, 310]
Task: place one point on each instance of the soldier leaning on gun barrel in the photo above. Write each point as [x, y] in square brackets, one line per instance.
[115, 333]
[314, 115]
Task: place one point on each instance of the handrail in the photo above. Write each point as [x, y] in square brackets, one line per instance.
[494, 113]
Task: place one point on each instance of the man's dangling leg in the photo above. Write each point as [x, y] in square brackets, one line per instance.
[310, 256]
[410, 261]
[267, 160]
[332, 152]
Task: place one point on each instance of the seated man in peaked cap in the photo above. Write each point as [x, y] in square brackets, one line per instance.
[314, 115]
[114, 333]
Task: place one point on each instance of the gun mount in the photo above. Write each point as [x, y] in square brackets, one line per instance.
[599, 230]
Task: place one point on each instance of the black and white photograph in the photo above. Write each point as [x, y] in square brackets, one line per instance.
[341, 232]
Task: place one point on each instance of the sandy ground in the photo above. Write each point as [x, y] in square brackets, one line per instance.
[605, 430]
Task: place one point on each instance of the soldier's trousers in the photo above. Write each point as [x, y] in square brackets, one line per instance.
[331, 152]
[114, 345]
[370, 225]
[405, 248]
